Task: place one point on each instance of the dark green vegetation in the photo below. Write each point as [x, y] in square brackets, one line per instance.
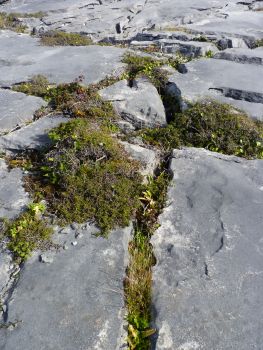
[87, 175]
[214, 126]
[59, 38]
[29, 231]
[151, 67]
[72, 99]
[139, 275]
[12, 21]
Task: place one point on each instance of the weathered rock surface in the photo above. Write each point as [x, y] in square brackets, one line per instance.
[246, 56]
[208, 280]
[74, 302]
[140, 104]
[22, 57]
[16, 109]
[32, 136]
[223, 80]
[13, 197]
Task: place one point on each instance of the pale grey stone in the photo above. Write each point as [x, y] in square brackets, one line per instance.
[13, 197]
[22, 57]
[148, 158]
[76, 302]
[139, 104]
[16, 109]
[225, 81]
[208, 279]
[242, 55]
[32, 136]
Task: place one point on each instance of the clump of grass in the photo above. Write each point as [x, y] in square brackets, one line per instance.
[214, 126]
[139, 273]
[72, 99]
[11, 22]
[27, 232]
[151, 67]
[87, 176]
[60, 38]
[37, 86]
[259, 43]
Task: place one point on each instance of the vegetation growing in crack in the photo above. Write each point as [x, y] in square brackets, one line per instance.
[87, 176]
[60, 38]
[72, 99]
[29, 231]
[139, 276]
[214, 126]
[151, 67]
[12, 21]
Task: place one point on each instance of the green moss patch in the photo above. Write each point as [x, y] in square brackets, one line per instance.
[87, 175]
[29, 231]
[12, 21]
[214, 126]
[72, 99]
[60, 38]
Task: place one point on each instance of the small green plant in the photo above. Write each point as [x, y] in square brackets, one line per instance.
[59, 38]
[212, 125]
[37, 86]
[209, 54]
[13, 21]
[87, 175]
[29, 231]
[259, 43]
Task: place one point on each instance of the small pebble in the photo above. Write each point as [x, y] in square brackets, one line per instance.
[74, 243]
[46, 258]
[65, 247]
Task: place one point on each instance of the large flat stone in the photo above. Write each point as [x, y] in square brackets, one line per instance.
[32, 136]
[16, 109]
[22, 57]
[208, 280]
[246, 56]
[226, 81]
[72, 300]
[140, 104]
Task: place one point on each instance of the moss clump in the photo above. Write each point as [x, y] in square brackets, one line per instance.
[72, 99]
[11, 22]
[214, 126]
[37, 86]
[59, 38]
[27, 232]
[87, 175]
[151, 67]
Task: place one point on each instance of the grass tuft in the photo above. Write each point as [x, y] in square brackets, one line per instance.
[60, 38]
[214, 126]
[87, 176]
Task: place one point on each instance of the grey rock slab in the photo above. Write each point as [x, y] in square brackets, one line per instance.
[22, 57]
[75, 302]
[189, 48]
[147, 157]
[13, 197]
[16, 109]
[208, 280]
[246, 56]
[140, 104]
[32, 136]
[226, 81]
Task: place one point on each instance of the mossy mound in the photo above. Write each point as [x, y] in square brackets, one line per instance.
[60, 38]
[214, 126]
[87, 175]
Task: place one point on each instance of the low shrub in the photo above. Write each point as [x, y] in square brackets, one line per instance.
[60, 38]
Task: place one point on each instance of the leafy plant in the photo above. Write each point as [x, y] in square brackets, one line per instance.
[28, 231]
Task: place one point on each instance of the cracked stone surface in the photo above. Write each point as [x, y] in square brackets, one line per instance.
[74, 301]
[224, 80]
[22, 57]
[208, 280]
[16, 109]
[140, 104]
